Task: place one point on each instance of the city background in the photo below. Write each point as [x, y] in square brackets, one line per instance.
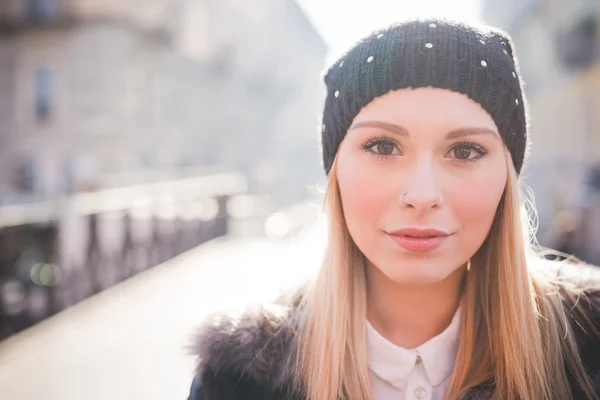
[159, 159]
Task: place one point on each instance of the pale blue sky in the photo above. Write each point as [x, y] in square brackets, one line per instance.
[342, 22]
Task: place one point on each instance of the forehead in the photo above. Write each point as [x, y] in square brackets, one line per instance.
[430, 108]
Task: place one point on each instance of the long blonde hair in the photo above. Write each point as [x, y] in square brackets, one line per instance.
[514, 331]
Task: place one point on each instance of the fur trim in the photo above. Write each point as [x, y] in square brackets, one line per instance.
[256, 345]
[252, 356]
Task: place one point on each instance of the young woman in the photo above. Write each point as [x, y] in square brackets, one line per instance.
[428, 289]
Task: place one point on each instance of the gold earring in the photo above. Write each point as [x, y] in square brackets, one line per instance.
[469, 265]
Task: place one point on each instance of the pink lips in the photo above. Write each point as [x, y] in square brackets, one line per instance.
[419, 240]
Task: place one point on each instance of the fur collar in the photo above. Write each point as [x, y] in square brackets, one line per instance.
[249, 357]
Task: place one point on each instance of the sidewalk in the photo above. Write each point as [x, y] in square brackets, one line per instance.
[129, 342]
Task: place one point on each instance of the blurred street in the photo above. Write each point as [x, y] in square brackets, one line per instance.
[129, 342]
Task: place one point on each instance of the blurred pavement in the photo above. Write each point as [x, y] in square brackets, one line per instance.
[129, 342]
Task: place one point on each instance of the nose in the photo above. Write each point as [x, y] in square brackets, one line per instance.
[422, 191]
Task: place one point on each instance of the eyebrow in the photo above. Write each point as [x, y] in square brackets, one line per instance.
[399, 130]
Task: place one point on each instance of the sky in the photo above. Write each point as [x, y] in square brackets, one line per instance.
[342, 22]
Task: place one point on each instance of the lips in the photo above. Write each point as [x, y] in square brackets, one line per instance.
[419, 240]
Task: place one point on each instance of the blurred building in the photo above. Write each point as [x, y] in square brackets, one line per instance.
[94, 90]
[558, 46]
[277, 58]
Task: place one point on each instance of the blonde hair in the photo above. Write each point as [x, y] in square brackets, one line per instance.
[514, 331]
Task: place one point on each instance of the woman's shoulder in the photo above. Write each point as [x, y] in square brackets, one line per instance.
[250, 351]
[578, 285]
[574, 276]
[237, 341]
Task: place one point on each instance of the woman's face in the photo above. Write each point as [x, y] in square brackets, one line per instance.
[421, 173]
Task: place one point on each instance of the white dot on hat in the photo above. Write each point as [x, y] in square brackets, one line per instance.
[514, 74]
[342, 64]
[370, 59]
[337, 94]
[380, 36]
[429, 45]
[481, 41]
[517, 101]
[483, 63]
[432, 25]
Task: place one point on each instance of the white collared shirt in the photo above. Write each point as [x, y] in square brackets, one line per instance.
[422, 373]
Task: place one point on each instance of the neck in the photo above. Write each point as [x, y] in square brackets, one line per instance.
[410, 315]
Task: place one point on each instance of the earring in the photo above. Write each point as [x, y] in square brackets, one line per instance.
[469, 265]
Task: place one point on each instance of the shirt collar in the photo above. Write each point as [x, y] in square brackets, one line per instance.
[394, 363]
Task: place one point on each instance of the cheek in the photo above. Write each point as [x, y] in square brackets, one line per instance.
[476, 201]
[364, 196]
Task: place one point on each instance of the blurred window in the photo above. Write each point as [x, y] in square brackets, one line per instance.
[43, 93]
[24, 174]
[577, 45]
[41, 10]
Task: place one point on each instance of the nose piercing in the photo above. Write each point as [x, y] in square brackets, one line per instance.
[402, 199]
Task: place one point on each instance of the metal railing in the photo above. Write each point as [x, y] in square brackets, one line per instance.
[55, 253]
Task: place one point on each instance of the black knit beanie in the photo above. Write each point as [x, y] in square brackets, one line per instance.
[477, 62]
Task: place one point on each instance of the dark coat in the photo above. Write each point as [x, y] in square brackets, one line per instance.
[247, 358]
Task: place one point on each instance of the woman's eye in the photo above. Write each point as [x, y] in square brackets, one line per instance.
[463, 153]
[385, 149]
[467, 152]
[381, 147]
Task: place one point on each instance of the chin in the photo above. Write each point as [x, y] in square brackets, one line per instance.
[418, 274]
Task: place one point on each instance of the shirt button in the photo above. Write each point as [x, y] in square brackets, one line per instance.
[419, 393]
[419, 360]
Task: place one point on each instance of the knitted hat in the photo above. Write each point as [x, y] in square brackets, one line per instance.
[479, 63]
